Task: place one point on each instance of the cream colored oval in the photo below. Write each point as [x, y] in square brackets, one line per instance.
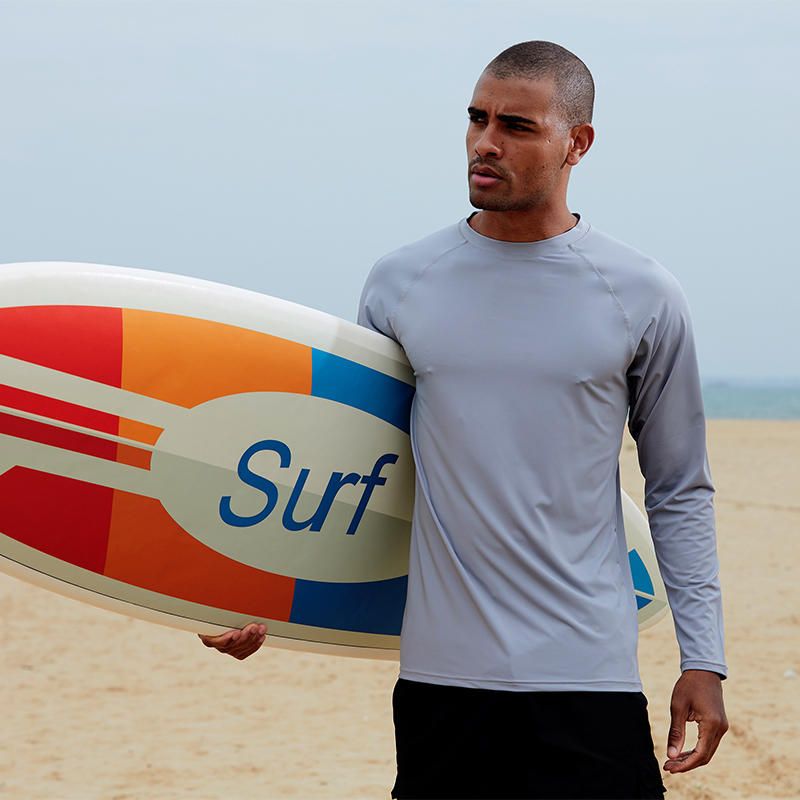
[195, 465]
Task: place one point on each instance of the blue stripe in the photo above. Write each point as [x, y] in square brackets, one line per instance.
[375, 607]
[344, 381]
[641, 602]
[641, 578]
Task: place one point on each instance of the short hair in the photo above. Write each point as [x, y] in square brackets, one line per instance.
[536, 60]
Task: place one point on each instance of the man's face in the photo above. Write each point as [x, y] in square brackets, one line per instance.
[517, 144]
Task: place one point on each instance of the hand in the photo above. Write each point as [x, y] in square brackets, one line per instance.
[697, 697]
[238, 643]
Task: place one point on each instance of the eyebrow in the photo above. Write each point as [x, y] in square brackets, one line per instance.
[507, 118]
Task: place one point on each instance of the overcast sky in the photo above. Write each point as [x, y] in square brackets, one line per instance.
[285, 147]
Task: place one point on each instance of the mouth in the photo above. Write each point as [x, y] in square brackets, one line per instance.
[484, 177]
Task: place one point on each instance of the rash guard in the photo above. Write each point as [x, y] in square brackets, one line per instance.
[529, 360]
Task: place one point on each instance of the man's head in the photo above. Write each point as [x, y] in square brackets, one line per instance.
[574, 87]
[530, 122]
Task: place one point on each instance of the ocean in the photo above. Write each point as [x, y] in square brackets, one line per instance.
[750, 400]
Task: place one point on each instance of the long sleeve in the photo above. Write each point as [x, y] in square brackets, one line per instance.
[667, 421]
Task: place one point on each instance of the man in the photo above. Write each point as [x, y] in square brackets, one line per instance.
[533, 337]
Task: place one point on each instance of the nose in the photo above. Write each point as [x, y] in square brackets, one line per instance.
[488, 143]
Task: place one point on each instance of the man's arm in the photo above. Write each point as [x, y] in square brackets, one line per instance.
[668, 423]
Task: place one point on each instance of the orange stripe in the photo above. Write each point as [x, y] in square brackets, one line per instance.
[147, 548]
[188, 361]
[139, 431]
[133, 456]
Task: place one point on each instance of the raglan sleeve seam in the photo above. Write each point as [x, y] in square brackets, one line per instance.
[417, 278]
[607, 283]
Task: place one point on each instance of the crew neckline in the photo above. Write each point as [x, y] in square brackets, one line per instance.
[523, 250]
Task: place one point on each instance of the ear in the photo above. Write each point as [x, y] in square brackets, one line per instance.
[581, 138]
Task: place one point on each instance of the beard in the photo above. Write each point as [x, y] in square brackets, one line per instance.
[486, 201]
[524, 191]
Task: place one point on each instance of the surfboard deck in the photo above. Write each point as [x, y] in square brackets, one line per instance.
[202, 456]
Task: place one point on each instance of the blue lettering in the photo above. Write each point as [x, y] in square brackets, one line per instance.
[336, 482]
[315, 523]
[370, 482]
[247, 476]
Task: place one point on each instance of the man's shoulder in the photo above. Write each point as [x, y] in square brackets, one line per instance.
[417, 255]
[392, 277]
[631, 274]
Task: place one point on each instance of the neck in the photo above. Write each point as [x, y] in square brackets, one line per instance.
[523, 226]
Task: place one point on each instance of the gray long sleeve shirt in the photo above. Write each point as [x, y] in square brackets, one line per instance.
[529, 358]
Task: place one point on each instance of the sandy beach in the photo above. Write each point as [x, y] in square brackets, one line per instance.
[96, 705]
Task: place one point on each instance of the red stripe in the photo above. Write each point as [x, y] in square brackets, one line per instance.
[57, 437]
[58, 409]
[66, 518]
[62, 517]
[81, 340]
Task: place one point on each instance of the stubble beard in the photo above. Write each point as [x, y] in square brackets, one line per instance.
[489, 203]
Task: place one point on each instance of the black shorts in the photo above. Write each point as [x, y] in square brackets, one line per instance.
[455, 742]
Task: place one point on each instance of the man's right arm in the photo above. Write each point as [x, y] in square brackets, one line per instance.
[668, 423]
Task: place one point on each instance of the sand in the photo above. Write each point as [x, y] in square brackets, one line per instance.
[96, 705]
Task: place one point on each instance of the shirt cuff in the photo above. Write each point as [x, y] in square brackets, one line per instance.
[708, 666]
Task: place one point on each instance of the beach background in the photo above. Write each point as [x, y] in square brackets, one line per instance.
[284, 147]
[96, 705]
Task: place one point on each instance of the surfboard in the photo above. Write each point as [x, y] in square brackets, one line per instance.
[204, 456]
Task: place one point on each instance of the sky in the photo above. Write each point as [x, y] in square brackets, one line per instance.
[285, 147]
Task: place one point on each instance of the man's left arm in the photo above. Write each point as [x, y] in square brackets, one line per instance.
[668, 423]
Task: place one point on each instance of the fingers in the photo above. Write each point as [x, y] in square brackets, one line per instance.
[685, 761]
[679, 713]
[709, 734]
[221, 640]
[697, 697]
[251, 640]
[238, 643]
